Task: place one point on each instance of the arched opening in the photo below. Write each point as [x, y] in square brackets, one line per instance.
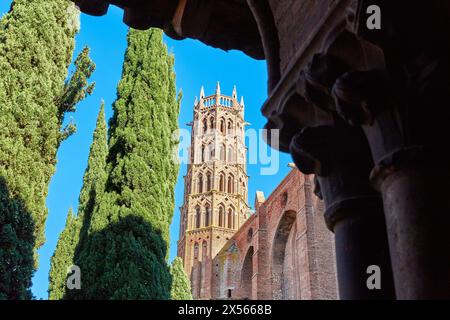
[282, 288]
[203, 154]
[196, 252]
[222, 182]
[221, 217]
[211, 151]
[222, 126]
[230, 184]
[247, 275]
[230, 127]
[204, 250]
[207, 215]
[222, 153]
[200, 184]
[211, 123]
[230, 218]
[197, 218]
[205, 126]
[208, 182]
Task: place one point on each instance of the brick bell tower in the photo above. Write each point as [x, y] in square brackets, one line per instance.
[216, 184]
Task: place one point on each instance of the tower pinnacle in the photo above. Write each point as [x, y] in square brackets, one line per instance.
[218, 88]
[202, 93]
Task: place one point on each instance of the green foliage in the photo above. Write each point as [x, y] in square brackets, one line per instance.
[76, 227]
[181, 286]
[36, 47]
[124, 253]
[62, 259]
[16, 246]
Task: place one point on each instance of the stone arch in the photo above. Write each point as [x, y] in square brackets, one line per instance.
[222, 125]
[211, 151]
[246, 287]
[198, 217]
[280, 284]
[230, 184]
[196, 249]
[208, 181]
[230, 127]
[203, 155]
[207, 219]
[200, 183]
[222, 182]
[211, 123]
[221, 216]
[204, 250]
[205, 125]
[230, 220]
[223, 152]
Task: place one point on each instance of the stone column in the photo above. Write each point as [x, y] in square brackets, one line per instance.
[340, 158]
[402, 106]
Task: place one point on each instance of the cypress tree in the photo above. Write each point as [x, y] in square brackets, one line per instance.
[36, 47]
[181, 286]
[76, 227]
[62, 259]
[124, 255]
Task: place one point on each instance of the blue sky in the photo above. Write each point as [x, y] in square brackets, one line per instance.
[195, 65]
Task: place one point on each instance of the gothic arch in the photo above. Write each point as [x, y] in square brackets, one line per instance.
[222, 125]
[211, 123]
[222, 152]
[205, 125]
[246, 288]
[203, 151]
[207, 219]
[198, 217]
[280, 285]
[204, 250]
[196, 249]
[230, 184]
[230, 127]
[222, 182]
[230, 218]
[221, 216]
[208, 181]
[200, 183]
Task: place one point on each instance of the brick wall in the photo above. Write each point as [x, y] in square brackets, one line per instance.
[284, 251]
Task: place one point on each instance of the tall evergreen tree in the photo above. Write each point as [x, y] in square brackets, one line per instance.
[76, 227]
[36, 47]
[181, 286]
[124, 255]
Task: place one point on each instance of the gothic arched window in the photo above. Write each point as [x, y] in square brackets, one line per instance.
[222, 126]
[222, 152]
[230, 219]
[196, 251]
[230, 127]
[204, 250]
[200, 184]
[197, 218]
[205, 125]
[230, 185]
[221, 217]
[208, 182]
[211, 151]
[207, 216]
[203, 153]
[211, 123]
[222, 182]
